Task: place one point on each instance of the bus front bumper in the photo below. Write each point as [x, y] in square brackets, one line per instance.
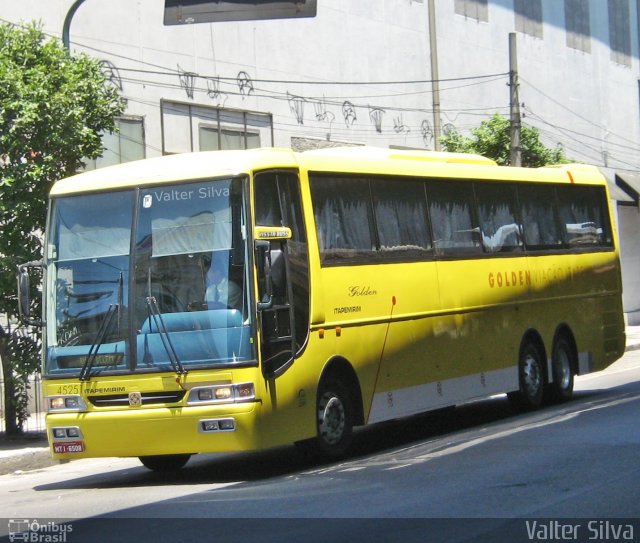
[153, 431]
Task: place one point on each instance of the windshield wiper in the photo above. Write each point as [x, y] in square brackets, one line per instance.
[85, 372]
[165, 337]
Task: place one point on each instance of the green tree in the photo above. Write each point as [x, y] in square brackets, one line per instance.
[53, 108]
[492, 140]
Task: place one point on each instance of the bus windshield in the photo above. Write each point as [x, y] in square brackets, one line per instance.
[152, 279]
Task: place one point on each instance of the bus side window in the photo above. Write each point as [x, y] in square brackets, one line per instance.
[584, 221]
[455, 230]
[400, 209]
[267, 203]
[538, 210]
[500, 229]
[344, 219]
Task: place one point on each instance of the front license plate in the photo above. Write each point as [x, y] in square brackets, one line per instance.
[68, 447]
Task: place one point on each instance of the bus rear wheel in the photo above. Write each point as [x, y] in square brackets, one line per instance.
[165, 463]
[531, 378]
[562, 366]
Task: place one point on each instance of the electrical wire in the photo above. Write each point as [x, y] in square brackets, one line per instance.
[572, 140]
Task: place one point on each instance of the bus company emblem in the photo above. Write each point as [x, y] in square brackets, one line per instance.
[362, 291]
[135, 399]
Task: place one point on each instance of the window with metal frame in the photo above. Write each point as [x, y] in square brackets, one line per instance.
[473, 9]
[578, 24]
[620, 31]
[189, 127]
[528, 15]
[124, 145]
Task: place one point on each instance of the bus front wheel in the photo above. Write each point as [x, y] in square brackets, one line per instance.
[165, 463]
[334, 419]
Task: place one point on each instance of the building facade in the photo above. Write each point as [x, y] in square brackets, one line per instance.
[361, 73]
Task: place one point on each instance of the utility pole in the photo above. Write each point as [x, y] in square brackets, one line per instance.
[515, 154]
[435, 78]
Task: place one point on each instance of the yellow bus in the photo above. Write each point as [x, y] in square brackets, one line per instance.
[239, 300]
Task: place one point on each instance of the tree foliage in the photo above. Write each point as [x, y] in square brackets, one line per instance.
[492, 139]
[53, 109]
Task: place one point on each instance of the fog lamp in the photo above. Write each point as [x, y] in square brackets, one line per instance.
[227, 424]
[210, 425]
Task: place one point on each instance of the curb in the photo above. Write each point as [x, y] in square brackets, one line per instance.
[22, 460]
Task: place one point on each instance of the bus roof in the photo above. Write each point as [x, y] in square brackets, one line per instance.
[169, 168]
[356, 160]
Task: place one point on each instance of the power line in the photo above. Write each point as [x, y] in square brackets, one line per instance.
[169, 71]
[633, 149]
[592, 154]
[228, 87]
[285, 96]
[574, 138]
[578, 115]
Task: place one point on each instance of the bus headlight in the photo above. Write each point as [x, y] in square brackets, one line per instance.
[65, 403]
[242, 392]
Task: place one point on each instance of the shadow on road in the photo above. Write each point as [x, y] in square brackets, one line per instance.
[285, 461]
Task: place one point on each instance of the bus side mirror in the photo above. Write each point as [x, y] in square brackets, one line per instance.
[270, 262]
[24, 300]
[271, 272]
[263, 262]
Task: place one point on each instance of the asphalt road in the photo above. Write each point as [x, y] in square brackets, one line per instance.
[477, 473]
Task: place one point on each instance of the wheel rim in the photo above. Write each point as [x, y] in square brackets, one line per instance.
[564, 370]
[532, 377]
[331, 418]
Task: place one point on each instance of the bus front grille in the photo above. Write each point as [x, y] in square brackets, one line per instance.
[146, 398]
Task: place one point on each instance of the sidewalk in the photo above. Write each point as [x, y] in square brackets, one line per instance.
[31, 451]
[633, 338]
[26, 453]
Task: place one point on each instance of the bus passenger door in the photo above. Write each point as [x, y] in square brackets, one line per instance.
[276, 315]
[283, 300]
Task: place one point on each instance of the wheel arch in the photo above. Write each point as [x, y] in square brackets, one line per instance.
[340, 368]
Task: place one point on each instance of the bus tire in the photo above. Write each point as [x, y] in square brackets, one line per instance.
[165, 463]
[562, 367]
[334, 419]
[531, 377]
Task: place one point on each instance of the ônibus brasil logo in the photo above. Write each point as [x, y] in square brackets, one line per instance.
[34, 531]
